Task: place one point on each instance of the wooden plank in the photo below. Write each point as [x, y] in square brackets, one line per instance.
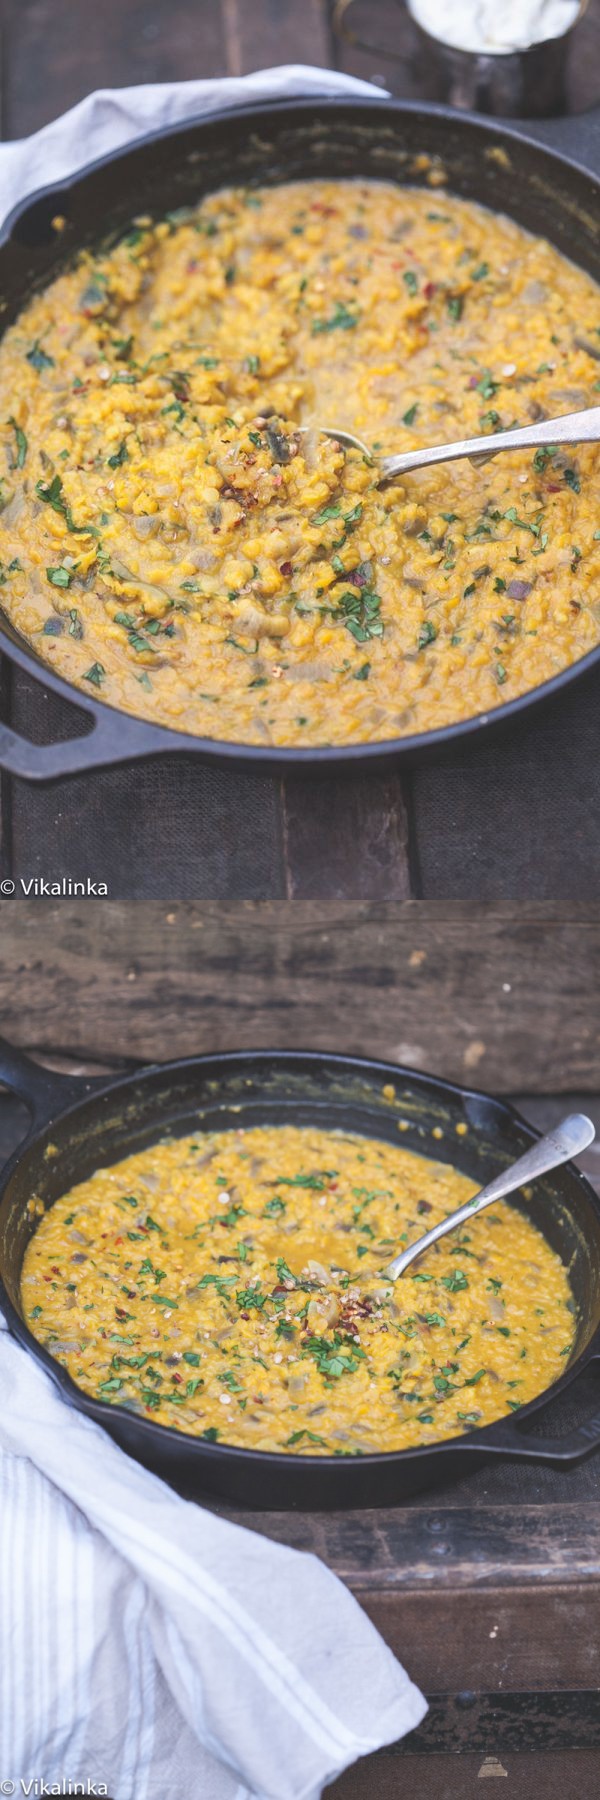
[154, 830]
[275, 31]
[525, 1640]
[346, 838]
[395, 1551]
[52, 63]
[563, 1719]
[564, 1775]
[479, 993]
[519, 819]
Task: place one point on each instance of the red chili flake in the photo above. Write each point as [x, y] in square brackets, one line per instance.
[176, 1378]
[430, 289]
[54, 1269]
[46, 1277]
[285, 568]
[552, 488]
[332, 1186]
[244, 1315]
[120, 1312]
[118, 1240]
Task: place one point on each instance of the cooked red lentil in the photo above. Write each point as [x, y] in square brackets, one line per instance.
[170, 542]
[229, 1284]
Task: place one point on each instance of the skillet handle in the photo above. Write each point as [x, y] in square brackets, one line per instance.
[114, 738]
[508, 1438]
[45, 1092]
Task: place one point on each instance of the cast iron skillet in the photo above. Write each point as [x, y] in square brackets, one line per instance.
[87, 1125]
[545, 175]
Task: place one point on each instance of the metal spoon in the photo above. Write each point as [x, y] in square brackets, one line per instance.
[570, 428]
[568, 1139]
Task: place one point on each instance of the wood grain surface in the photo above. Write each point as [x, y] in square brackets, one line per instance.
[521, 821]
[538, 1776]
[497, 998]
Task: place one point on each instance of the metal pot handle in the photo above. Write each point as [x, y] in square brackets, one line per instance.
[46, 1092]
[508, 1438]
[111, 740]
[340, 24]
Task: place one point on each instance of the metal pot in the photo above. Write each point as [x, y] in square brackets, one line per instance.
[509, 84]
[87, 1124]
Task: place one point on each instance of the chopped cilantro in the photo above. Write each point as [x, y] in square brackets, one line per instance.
[21, 443]
[39, 358]
[341, 319]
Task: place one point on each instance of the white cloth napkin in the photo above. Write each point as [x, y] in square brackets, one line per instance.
[148, 1647]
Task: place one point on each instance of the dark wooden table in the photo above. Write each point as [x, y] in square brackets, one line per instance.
[488, 1590]
[518, 821]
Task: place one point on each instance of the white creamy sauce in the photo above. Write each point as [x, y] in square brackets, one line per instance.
[487, 26]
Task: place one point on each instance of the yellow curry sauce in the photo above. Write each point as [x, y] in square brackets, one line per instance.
[172, 543]
[230, 1285]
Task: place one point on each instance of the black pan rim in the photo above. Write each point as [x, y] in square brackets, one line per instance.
[165, 738]
[199, 1448]
[162, 738]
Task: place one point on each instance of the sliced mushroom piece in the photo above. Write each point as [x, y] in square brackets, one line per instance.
[314, 1271]
[323, 1312]
[256, 624]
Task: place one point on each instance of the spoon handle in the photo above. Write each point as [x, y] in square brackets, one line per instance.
[568, 1139]
[572, 428]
